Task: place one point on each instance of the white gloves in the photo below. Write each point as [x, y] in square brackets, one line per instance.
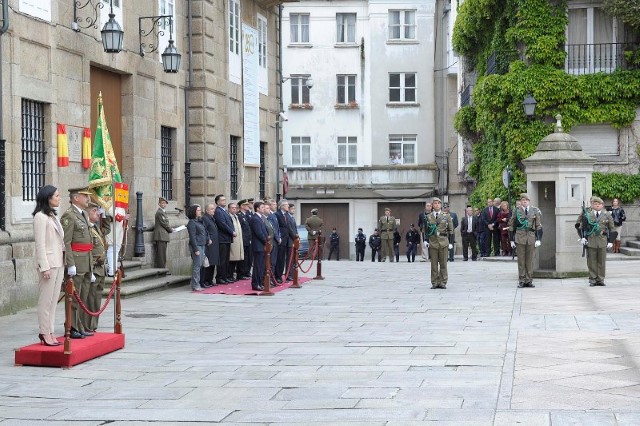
[513, 244]
[538, 243]
[583, 241]
[71, 270]
[609, 245]
[426, 244]
[93, 278]
[313, 232]
[450, 246]
[102, 212]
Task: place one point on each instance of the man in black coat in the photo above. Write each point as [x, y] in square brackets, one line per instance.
[469, 233]
[489, 219]
[375, 242]
[227, 233]
[282, 214]
[259, 236]
[244, 216]
[413, 241]
[293, 234]
[212, 249]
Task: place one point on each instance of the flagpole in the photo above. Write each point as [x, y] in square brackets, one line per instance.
[113, 237]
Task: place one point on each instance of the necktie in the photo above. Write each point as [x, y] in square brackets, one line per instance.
[436, 215]
[470, 227]
[387, 219]
[526, 211]
[597, 215]
[490, 213]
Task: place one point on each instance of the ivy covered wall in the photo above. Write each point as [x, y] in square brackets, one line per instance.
[527, 39]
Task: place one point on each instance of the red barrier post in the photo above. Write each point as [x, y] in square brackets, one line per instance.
[266, 283]
[296, 245]
[320, 240]
[68, 290]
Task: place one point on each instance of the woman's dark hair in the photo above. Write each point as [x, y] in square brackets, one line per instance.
[191, 211]
[42, 200]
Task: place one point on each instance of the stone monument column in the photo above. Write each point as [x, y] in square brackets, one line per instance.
[559, 177]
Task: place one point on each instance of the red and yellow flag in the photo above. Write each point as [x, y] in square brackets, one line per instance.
[86, 148]
[63, 146]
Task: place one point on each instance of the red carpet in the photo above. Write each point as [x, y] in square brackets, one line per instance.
[244, 288]
[81, 350]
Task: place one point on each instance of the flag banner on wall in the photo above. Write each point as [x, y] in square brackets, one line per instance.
[63, 146]
[104, 167]
[86, 148]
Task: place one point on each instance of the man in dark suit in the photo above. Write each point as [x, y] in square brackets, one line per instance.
[161, 232]
[293, 234]
[212, 249]
[226, 234]
[489, 218]
[469, 232]
[244, 218]
[282, 214]
[259, 236]
[277, 239]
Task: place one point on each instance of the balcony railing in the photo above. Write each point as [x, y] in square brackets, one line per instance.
[593, 58]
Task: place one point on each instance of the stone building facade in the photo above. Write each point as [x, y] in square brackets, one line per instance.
[178, 135]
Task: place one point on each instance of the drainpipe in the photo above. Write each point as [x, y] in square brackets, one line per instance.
[3, 29]
[187, 89]
[280, 105]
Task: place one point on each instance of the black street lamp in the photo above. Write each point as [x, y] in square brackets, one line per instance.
[170, 56]
[111, 33]
[529, 105]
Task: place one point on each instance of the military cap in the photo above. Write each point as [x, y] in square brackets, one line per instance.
[250, 200]
[412, 225]
[445, 205]
[525, 196]
[93, 205]
[161, 199]
[436, 199]
[596, 199]
[82, 190]
[314, 211]
[243, 201]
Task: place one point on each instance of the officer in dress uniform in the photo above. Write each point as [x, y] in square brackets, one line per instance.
[78, 245]
[161, 232]
[314, 226]
[99, 256]
[439, 231]
[597, 232]
[361, 245]
[387, 226]
[525, 232]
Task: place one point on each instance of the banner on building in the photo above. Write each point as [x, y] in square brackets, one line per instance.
[63, 146]
[250, 96]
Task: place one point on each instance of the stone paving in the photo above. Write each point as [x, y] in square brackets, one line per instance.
[372, 344]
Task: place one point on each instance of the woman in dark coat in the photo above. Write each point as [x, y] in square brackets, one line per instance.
[197, 242]
[211, 250]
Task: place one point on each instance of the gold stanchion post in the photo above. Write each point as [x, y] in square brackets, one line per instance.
[267, 270]
[296, 245]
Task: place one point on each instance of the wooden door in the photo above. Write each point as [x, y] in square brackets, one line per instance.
[109, 84]
[334, 215]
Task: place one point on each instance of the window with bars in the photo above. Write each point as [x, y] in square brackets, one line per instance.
[347, 151]
[300, 151]
[233, 166]
[402, 87]
[166, 161]
[234, 27]
[263, 171]
[346, 89]
[299, 27]
[402, 25]
[33, 148]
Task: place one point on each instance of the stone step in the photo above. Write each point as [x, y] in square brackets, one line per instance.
[630, 251]
[148, 285]
[633, 244]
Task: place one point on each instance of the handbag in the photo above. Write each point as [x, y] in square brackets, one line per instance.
[205, 262]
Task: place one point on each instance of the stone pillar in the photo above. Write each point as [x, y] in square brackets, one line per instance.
[558, 181]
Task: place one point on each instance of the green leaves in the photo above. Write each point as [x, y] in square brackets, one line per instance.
[617, 185]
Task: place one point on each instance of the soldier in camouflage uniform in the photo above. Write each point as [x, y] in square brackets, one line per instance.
[597, 232]
[439, 239]
[525, 232]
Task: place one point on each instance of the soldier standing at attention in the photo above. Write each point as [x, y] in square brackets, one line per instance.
[78, 245]
[439, 240]
[597, 232]
[314, 226]
[387, 226]
[99, 256]
[161, 232]
[525, 231]
[361, 245]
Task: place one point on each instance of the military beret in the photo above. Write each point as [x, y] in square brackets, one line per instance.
[596, 199]
[436, 199]
[525, 196]
[83, 190]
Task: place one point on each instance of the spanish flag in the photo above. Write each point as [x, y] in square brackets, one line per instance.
[86, 148]
[63, 146]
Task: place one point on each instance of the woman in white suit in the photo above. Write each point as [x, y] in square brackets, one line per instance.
[49, 238]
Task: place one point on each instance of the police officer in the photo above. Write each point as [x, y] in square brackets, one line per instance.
[597, 231]
[387, 225]
[314, 226]
[361, 245]
[78, 245]
[525, 231]
[413, 239]
[98, 255]
[375, 242]
[439, 240]
[334, 244]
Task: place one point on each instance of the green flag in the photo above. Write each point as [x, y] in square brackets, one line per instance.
[104, 167]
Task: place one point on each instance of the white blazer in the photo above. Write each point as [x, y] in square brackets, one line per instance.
[49, 237]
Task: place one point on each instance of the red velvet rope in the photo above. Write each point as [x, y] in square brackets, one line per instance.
[106, 303]
[313, 258]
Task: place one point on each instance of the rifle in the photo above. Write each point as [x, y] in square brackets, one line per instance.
[582, 227]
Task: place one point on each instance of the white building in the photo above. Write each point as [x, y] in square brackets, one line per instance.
[363, 137]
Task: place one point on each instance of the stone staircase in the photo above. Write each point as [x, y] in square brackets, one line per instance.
[140, 279]
[631, 248]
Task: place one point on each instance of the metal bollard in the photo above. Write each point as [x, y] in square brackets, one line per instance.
[320, 241]
[296, 245]
[266, 282]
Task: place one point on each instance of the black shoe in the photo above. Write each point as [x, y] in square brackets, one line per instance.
[257, 288]
[592, 284]
[279, 280]
[601, 284]
[86, 333]
[75, 334]
[289, 279]
[206, 285]
[530, 285]
[433, 286]
[221, 282]
[520, 285]
[474, 259]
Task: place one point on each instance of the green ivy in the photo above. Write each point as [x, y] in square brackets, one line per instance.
[496, 125]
